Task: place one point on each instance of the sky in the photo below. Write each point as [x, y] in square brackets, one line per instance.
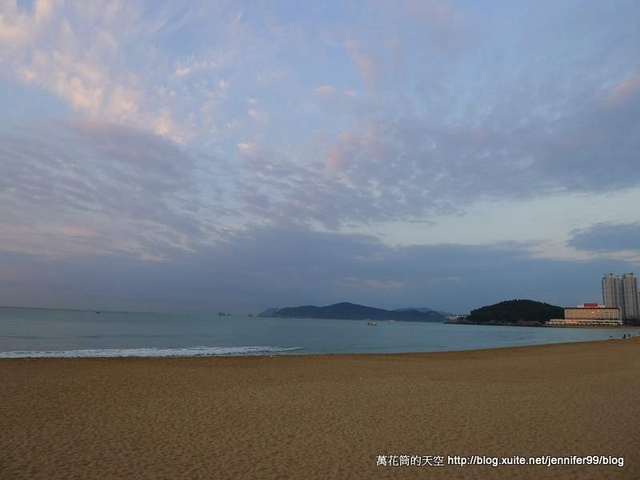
[240, 155]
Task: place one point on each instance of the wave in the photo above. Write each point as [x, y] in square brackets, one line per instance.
[152, 352]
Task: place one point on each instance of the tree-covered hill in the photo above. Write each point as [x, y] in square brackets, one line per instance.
[515, 312]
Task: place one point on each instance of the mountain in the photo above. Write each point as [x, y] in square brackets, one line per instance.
[421, 309]
[424, 310]
[514, 312]
[267, 313]
[352, 311]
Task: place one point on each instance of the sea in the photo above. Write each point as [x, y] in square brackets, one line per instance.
[35, 332]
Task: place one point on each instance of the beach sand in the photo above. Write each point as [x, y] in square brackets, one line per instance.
[322, 417]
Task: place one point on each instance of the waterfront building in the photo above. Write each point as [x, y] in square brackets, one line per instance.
[589, 314]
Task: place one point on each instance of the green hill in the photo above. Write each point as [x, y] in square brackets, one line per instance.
[515, 312]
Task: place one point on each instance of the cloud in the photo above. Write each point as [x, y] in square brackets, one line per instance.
[104, 59]
[367, 65]
[344, 148]
[608, 238]
[86, 186]
[245, 147]
[453, 102]
[324, 90]
[267, 266]
[487, 123]
[258, 115]
[361, 269]
[370, 285]
[182, 71]
[625, 92]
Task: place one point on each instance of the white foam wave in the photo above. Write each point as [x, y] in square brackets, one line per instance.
[151, 352]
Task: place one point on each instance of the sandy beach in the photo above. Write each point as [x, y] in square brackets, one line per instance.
[324, 417]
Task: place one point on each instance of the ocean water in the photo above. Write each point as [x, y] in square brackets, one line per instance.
[26, 332]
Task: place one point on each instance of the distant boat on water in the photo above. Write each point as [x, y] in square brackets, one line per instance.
[372, 324]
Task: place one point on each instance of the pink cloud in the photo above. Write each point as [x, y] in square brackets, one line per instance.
[324, 90]
[335, 159]
[625, 92]
[337, 156]
[246, 147]
[258, 115]
[367, 66]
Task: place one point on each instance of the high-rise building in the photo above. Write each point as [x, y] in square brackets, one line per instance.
[612, 293]
[622, 292]
[630, 295]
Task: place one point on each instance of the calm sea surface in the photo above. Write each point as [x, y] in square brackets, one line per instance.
[26, 332]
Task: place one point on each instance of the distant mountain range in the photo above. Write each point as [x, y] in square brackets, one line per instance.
[352, 311]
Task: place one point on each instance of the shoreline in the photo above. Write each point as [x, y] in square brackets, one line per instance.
[288, 352]
[542, 325]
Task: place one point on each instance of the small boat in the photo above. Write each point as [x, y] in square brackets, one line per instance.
[372, 324]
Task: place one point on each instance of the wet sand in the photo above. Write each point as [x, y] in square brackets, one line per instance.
[323, 417]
